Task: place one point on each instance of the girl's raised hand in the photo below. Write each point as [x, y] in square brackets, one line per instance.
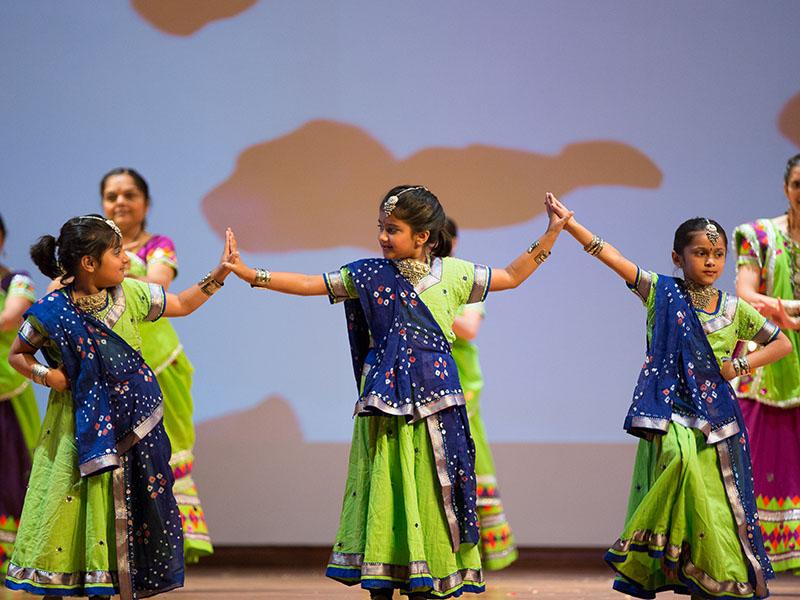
[234, 262]
[557, 214]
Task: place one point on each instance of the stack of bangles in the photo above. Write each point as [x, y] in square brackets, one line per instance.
[741, 366]
[541, 256]
[263, 277]
[596, 246]
[209, 286]
[39, 374]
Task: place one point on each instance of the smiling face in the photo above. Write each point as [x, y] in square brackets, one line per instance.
[111, 270]
[398, 241]
[124, 202]
[701, 260]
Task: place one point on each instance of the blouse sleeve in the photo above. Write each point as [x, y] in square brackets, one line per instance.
[21, 286]
[482, 278]
[340, 285]
[162, 251]
[31, 333]
[147, 301]
[643, 286]
[747, 246]
[751, 325]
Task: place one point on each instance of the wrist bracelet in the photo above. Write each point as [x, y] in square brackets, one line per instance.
[263, 277]
[209, 286]
[39, 374]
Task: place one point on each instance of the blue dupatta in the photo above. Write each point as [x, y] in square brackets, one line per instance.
[681, 381]
[116, 396]
[411, 372]
[117, 403]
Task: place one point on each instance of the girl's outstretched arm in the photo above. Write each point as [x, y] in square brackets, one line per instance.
[607, 254]
[287, 283]
[190, 299]
[526, 263]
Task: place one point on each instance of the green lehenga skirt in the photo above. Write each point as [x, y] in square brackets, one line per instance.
[680, 532]
[175, 380]
[66, 542]
[393, 531]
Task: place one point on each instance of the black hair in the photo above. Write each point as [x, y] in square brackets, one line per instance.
[683, 234]
[790, 164]
[2, 228]
[451, 228]
[89, 235]
[420, 208]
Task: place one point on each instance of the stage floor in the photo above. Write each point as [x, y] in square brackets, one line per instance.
[275, 584]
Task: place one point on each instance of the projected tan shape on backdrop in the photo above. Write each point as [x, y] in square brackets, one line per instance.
[319, 186]
[789, 120]
[185, 17]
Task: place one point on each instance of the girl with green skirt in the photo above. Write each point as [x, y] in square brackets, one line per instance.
[19, 415]
[498, 548]
[692, 524]
[409, 517]
[99, 516]
[126, 200]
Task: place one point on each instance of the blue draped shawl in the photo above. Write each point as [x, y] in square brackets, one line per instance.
[411, 372]
[681, 381]
[116, 396]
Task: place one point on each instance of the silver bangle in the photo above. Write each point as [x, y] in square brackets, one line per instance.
[533, 247]
[209, 286]
[596, 246]
[262, 279]
[39, 374]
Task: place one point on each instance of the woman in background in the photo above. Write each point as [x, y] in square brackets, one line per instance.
[126, 200]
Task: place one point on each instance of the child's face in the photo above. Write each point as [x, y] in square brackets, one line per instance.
[702, 261]
[397, 240]
[113, 265]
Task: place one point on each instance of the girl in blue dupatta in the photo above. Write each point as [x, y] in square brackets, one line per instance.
[99, 516]
[409, 518]
[691, 525]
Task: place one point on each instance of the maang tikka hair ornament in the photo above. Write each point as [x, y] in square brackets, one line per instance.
[391, 202]
[712, 233]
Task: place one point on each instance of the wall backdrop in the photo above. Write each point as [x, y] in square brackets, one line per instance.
[289, 120]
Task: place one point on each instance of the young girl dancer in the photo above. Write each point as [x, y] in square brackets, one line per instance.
[126, 200]
[409, 516]
[498, 549]
[692, 524]
[769, 278]
[99, 516]
[19, 416]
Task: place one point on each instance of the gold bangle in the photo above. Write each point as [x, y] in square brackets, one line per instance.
[595, 246]
[541, 257]
[209, 286]
[262, 279]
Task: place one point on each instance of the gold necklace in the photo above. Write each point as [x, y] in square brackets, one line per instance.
[701, 295]
[92, 303]
[413, 270]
